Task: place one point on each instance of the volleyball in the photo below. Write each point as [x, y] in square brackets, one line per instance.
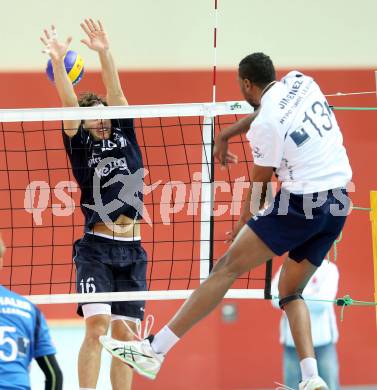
[74, 65]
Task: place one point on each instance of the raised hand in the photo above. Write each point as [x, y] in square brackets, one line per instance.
[97, 39]
[55, 49]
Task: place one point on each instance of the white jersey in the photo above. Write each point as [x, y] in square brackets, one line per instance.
[296, 132]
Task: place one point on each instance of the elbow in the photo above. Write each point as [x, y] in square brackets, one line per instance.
[55, 381]
[59, 376]
[52, 372]
[116, 98]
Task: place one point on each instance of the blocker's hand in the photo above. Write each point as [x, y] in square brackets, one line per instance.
[97, 39]
[55, 49]
[221, 152]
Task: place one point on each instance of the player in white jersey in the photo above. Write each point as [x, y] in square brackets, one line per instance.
[295, 135]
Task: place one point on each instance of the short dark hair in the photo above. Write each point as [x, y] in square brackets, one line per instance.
[89, 99]
[258, 68]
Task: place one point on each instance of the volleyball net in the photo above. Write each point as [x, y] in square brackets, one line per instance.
[189, 203]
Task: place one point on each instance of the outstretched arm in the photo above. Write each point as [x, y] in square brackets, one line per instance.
[220, 150]
[98, 41]
[57, 50]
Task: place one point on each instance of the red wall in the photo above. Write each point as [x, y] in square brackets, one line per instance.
[246, 354]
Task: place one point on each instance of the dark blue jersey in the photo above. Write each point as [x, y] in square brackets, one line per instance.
[109, 173]
[24, 335]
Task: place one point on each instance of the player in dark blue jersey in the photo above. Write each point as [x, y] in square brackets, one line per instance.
[24, 336]
[107, 164]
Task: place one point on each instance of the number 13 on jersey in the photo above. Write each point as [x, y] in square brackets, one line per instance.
[319, 118]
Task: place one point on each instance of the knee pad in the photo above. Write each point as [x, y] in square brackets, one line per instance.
[289, 298]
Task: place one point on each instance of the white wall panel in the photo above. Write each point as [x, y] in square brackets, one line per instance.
[166, 34]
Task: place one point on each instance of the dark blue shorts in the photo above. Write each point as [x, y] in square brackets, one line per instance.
[292, 223]
[106, 265]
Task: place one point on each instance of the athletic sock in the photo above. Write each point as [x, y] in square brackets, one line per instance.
[87, 388]
[309, 368]
[164, 340]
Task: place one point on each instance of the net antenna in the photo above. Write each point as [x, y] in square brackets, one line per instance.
[215, 28]
[208, 173]
[209, 131]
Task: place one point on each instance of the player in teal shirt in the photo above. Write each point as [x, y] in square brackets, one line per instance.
[24, 336]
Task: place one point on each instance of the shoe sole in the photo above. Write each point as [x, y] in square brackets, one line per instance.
[132, 364]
